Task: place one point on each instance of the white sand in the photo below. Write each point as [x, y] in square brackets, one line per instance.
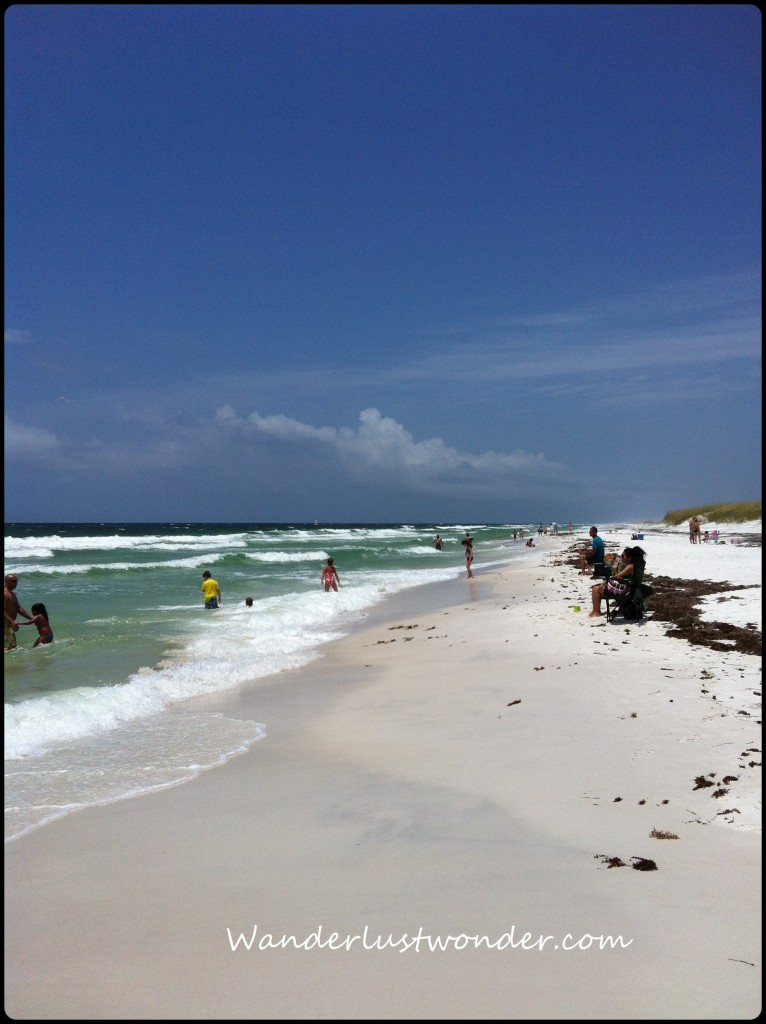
[464, 772]
[729, 560]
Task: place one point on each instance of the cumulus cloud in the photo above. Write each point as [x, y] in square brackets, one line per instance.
[380, 442]
[289, 429]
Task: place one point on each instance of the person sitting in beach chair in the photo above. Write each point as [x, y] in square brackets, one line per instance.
[594, 556]
[619, 583]
[631, 602]
[623, 589]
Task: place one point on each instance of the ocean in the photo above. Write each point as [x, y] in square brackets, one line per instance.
[105, 712]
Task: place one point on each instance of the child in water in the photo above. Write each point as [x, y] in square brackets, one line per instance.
[40, 619]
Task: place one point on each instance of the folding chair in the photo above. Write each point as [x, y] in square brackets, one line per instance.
[631, 606]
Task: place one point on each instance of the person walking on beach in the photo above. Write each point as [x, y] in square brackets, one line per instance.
[330, 577]
[12, 610]
[40, 619]
[596, 553]
[210, 590]
[467, 543]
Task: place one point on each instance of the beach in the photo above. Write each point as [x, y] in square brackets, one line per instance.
[570, 808]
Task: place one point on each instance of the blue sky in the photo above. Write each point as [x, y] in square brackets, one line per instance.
[420, 263]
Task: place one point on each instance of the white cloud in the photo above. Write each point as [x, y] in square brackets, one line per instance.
[381, 443]
[16, 336]
[289, 429]
[28, 442]
[706, 331]
[678, 326]
[97, 456]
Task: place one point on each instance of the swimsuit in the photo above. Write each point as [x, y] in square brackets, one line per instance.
[617, 587]
[9, 638]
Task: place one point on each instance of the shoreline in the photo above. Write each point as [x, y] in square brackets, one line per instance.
[47, 785]
[427, 772]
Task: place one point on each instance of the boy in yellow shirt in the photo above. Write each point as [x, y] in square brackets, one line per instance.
[211, 590]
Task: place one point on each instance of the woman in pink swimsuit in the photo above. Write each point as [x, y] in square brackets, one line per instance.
[330, 577]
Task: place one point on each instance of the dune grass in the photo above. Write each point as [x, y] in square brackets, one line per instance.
[739, 512]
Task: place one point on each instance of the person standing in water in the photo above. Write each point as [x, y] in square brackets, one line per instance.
[211, 591]
[12, 610]
[40, 619]
[330, 577]
[467, 543]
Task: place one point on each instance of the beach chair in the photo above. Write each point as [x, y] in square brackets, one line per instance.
[632, 606]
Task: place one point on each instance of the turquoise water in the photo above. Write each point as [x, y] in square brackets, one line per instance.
[102, 713]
